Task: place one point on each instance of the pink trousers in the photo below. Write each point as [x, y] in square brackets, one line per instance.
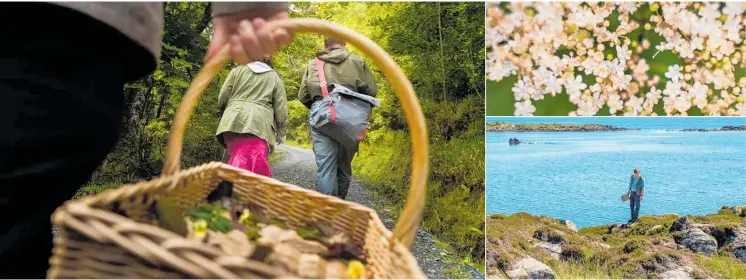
[248, 152]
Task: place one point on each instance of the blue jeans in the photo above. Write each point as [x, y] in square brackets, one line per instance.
[634, 205]
[334, 162]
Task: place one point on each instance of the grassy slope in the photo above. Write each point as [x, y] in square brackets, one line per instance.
[633, 250]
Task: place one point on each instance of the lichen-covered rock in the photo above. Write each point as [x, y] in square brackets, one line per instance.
[553, 249]
[616, 227]
[569, 224]
[738, 243]
[549, 235]
[530, 268]
[695, 239]
[680, 273]
[681, 224]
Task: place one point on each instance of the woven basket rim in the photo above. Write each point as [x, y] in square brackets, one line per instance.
[63, 213]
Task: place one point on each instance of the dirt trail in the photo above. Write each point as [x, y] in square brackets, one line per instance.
[299, 168]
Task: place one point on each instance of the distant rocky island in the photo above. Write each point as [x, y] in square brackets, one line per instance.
[724, 128]
[657, 246]
[551, 127]
[515, 141]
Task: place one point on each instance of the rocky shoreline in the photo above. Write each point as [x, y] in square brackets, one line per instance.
[553, 127]
[724, 128]
[657, 246]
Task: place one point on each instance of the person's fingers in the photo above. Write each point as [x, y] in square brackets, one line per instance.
[237, 52]
[249, 41]
[283, 37]
[264, 37]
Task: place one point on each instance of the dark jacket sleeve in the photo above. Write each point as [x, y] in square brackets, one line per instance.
[368, 83]
[223, 8]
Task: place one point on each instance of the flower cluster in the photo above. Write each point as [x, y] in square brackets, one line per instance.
[601, 55]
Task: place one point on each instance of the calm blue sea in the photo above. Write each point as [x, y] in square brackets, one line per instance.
[581, 175]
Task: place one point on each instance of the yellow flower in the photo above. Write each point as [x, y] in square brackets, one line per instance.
[200, 228]
[245, 217]
[355, 270]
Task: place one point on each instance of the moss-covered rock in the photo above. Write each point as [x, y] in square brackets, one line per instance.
[650, 248]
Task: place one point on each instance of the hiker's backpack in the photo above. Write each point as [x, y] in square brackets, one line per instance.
[343, 114]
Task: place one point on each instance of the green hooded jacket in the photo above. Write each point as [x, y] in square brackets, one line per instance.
[341, 67]
[253, 101]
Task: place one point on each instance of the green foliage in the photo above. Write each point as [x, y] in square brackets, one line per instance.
[298, 121]
[448, 76]
[89, 190]
[211, 212]
[308, 233]
[726, 268]
[438, 45]
[574, 252]
[633, 245]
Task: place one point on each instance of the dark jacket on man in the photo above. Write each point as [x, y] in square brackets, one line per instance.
[341, 67]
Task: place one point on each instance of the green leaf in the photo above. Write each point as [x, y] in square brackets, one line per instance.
[199, 213]
[476, 230]
[181, 64]
[176, 82]
[308, 233]
[221, 224]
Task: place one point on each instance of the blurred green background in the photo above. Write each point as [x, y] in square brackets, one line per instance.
[500, 99]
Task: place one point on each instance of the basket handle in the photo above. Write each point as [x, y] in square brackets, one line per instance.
[409, 219]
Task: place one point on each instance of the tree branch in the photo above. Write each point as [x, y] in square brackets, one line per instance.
[205, 20]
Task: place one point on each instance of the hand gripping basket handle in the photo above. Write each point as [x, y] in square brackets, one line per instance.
[409, 220]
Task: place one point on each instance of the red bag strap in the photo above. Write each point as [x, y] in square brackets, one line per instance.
[322, 77]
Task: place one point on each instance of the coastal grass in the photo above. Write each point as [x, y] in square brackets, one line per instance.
[642, 250]
[724, 267]
[277, 156]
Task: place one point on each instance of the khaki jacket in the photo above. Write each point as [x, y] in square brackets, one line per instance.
[253, 101]
[143, 21]
[341, 67]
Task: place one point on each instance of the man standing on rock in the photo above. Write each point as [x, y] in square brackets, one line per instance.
[635, 194]
[342, 68]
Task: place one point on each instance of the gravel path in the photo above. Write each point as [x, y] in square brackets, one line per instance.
[299, 168]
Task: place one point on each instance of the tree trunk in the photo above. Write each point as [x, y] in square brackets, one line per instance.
[205, 20]
[161, 104]
[442, 63]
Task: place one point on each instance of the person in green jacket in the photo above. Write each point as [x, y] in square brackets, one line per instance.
[254, 114]
[341, 67]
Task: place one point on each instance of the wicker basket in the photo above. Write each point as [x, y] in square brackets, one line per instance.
[116, 234]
